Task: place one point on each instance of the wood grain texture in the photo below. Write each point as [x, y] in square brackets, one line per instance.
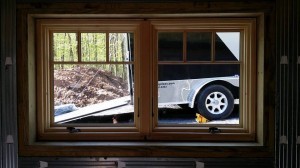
[150, 8]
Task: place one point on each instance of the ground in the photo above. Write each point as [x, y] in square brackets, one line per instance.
[84, 86]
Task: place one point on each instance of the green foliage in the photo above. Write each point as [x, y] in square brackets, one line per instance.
[94, 49]
[65, 47]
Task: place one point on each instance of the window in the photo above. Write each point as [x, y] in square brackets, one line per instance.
[208, 69]
[198, 78]
[192, 79]
[96, 80]
[86, 78]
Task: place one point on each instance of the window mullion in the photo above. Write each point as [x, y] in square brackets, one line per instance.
[184, 46]
[213, 47]
[79, 46]
[107, 47]
[145, 78]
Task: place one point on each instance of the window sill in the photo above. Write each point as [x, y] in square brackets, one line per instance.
[152, 144]
[146, 149]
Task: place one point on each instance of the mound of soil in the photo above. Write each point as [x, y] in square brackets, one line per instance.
[84, 86]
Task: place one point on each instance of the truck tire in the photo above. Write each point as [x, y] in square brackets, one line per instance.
[215, 102]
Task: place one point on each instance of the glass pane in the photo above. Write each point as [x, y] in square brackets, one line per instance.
[93, 93]
[212, 90]
[121, 47]
[227, 46]
[199, 46]
[93, 47]
[170, 46]
[65, 47]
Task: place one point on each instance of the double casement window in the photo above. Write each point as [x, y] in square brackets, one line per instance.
[155, 79]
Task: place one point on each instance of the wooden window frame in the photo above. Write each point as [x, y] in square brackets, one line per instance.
[145, 125]
[46, 128]
[246, 129]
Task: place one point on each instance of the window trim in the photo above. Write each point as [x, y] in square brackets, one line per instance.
[46, 128]
[246, 131]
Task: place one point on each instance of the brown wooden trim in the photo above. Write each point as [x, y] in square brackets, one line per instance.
[123, 9]
[247, 88]
[145, 45]
[184, 47]
[163, 150]
[78, 47]
[47, 129]
[107, 47]
[213, 47]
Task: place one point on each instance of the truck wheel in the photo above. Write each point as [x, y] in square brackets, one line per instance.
[215, 102]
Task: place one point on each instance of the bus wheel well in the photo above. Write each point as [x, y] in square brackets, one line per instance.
[234, 90]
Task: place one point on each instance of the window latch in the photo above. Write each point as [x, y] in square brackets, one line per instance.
[214, 130]
[73, 129]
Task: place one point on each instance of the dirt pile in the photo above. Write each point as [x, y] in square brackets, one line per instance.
[84, 86]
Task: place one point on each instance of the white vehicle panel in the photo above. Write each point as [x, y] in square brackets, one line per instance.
[185, 91]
